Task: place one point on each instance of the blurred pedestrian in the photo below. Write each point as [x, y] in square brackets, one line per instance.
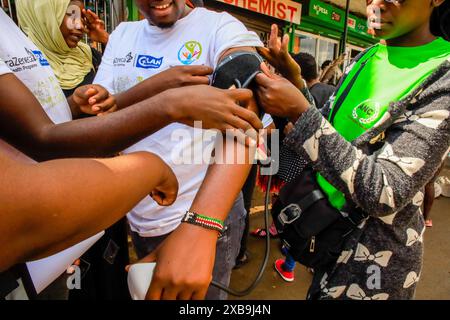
[319, 90]
[331, 72]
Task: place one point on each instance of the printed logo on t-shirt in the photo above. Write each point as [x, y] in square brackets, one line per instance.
[148, 62]
[41, 58]
[121, 62]
[190, 52]
[26, 62]
[366, 112]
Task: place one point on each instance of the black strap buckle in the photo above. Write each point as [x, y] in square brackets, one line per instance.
[293, 211]
[290, 213]
[355, 215]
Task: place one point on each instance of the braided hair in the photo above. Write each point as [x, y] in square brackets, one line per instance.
[440, 21]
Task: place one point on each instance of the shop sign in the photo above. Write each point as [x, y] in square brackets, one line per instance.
[361, 26]
[326, 12]
[280, 9]
[352, 23]
[336, 17]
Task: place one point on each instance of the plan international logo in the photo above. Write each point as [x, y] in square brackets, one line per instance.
[148, 62]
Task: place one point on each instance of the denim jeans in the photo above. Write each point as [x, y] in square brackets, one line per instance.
[227, 248]
[289, 263]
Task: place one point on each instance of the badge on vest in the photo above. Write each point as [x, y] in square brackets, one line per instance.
[367, 112]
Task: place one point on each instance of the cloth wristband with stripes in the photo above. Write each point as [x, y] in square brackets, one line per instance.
[203, 221]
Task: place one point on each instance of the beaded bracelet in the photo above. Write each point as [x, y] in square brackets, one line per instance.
[203, 221]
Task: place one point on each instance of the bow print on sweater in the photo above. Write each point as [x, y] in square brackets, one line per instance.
[413, 236]
[411, 279]
[431, 119]
[311, 145]
[356, 293]
[349, 175]
[382, 258]
[408, 165]
[334, 292]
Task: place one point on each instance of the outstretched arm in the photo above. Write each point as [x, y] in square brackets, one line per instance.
[24, 123]
[175, 77]
[47, 207]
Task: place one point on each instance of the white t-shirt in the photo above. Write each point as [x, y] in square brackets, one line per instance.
[21, 57]
[137, 51]
[3, 68]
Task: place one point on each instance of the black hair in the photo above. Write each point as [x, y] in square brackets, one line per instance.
[440, 21]
[198, 3]
[308, 65]
[325, 64]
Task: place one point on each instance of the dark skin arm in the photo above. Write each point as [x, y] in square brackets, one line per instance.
[195, 258]
[91, 99]
[24, 123]
[277, 54]
[174, 77]
[101, 192]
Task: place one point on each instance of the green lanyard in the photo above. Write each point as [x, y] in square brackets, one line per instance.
[337, 198]
[347, 89]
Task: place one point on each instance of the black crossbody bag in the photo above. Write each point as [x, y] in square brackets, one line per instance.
[312, 230]
[309, 226]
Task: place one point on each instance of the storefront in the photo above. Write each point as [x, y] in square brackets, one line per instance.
[321, 30]
[105, 10]
[9, 7]
[259, 15]
[315, 27]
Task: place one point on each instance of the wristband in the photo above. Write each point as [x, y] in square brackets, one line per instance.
[203, 221]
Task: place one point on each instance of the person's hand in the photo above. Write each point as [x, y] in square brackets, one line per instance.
[279, 97]
[178, 76]
[288, 128]
[94, 100]
[182, 76]
[340, 60]
[165, 193]
[95, 27]
[215, 108]
[184, 264]
[277, 54]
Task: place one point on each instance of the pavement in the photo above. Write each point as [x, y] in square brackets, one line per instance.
[434, 283]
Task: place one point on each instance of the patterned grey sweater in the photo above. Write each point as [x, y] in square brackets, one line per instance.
[383, 172]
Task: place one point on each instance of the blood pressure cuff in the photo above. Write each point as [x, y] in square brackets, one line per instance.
[238, 69]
